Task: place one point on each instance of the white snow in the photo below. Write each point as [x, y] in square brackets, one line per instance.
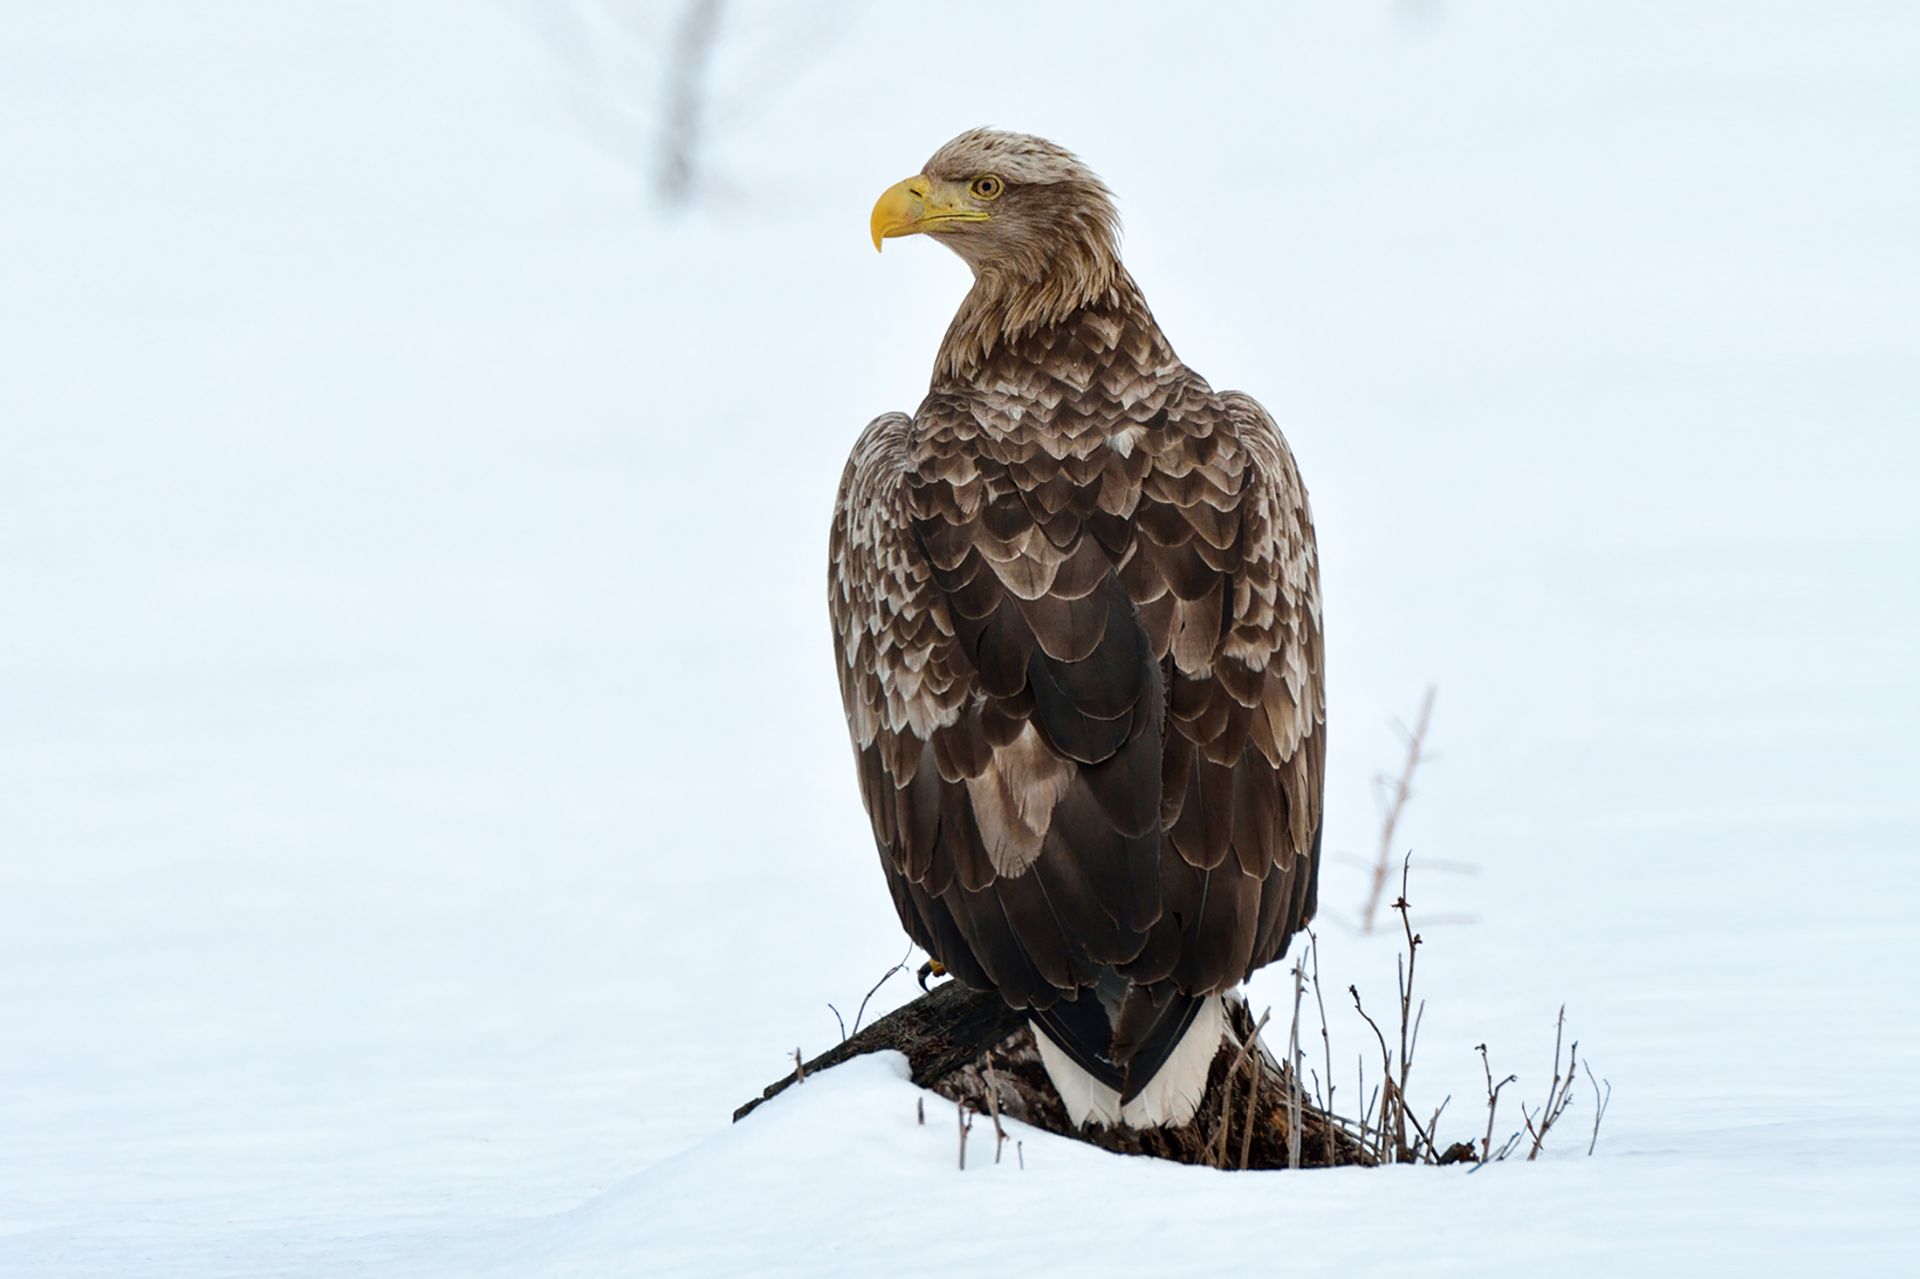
[410, 853]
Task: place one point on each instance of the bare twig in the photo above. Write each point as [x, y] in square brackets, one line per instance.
[966, 1126]
[1226, 1117]
[1599, 1103]
[1392, 1122]
[799, 1068]
[1217, 1139]
[1253, 1109]
[993, 1107]
[1293, 1073]
[861, 1015]
[1401, 790]
[1493, 1101]
[1559, 1091]
[1396, 1114]
[1409, 1022]
[1326, 1042]
[900, 967]
[920, 1111]
[1433, 1126]
[1360, 1073]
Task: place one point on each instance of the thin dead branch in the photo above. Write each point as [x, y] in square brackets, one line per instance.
[1226, 1117]
[1253, 1111]
[1433, 1126]
[1373, 1098]
[861, 1014]
[1390, 1122]
[1293, 1069]
[993, 1109]
[1326, 1042]
[1218, 1136]
[1559, 1092]
[1409, 1021]
[885, 977]
[1493, 1101]
[1599, 1103]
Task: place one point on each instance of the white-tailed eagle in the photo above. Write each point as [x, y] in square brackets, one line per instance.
[1076, 612]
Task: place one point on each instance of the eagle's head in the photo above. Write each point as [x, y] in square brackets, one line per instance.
[1015, 207]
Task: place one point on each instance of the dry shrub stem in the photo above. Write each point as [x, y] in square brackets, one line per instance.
[1559, 1092]
[1409, 1042]
[1253, 1111]
[1385, 1091]
[1294, 1058]
[1493, 1101]
[1599, 1103]
[1393, 1133]
[861, 1015]
[993, 1108]
[1226, 1117]
[1326, 1041]
[1218, 1137]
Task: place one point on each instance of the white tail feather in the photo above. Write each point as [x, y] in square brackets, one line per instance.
[1170, 1098]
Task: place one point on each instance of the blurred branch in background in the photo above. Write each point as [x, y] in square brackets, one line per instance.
[1397, 792]
[1394, 792]
[687, 66]
[657, 83]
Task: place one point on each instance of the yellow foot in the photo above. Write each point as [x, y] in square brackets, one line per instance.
[932, 968]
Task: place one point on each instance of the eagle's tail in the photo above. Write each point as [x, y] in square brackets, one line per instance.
[1122, 1059]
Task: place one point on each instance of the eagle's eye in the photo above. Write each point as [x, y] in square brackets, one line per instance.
[986, 187]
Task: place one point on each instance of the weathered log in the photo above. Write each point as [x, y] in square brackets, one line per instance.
[966, 1044]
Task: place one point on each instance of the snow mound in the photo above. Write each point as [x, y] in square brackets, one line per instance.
[839, 1177]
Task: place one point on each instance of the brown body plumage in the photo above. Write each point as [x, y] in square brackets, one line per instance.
[1076, 612]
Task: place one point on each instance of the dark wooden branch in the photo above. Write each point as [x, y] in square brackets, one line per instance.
[971, 1048]
[939, 1033]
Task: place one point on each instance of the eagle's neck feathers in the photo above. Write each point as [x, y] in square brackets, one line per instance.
[1009, 319]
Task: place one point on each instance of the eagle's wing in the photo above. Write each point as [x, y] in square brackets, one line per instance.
[1084, 693]
[1246, 743]
[1006, 714]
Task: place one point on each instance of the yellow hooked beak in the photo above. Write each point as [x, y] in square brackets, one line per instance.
[920, 204]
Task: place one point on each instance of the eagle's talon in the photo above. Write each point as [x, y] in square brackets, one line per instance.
[932, 968]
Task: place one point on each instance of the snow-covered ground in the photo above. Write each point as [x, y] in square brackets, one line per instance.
[424, 806]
